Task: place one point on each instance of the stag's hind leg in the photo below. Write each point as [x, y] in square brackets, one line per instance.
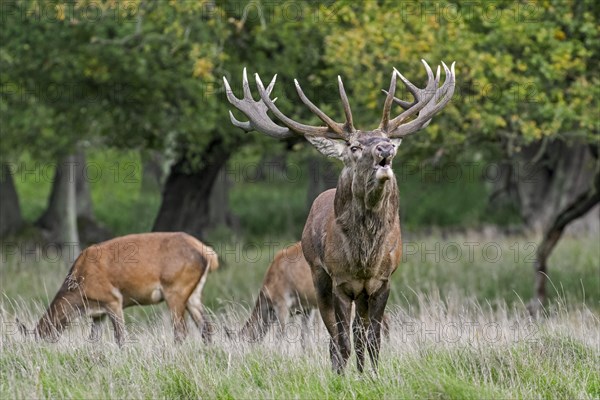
[324, 291]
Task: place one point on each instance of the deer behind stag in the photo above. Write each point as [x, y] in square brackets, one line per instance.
[351, 238]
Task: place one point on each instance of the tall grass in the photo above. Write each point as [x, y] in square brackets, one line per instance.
[460, 350]
[459, 330]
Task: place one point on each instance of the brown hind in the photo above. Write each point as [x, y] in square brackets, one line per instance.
[137, 269]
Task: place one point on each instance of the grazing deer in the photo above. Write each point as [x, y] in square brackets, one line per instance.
[287, 290]
[138, 269]
[352, 235]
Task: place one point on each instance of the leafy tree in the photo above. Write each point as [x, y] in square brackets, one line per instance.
[147, 75]
[528, 90]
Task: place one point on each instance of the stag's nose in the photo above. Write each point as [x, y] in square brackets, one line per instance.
[385, 150]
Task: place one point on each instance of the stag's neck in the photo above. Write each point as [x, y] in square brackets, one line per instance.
[371, 206]
[366, 215]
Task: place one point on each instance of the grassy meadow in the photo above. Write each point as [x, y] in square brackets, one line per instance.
[459, 329]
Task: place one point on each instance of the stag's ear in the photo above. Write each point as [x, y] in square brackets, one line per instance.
[329, 147]
[396, 141]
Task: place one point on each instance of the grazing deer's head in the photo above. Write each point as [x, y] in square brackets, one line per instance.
[351, 238]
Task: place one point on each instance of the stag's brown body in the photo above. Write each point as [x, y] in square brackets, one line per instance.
[351, 239]
[352, 263]
[137, 269]
[287, 290]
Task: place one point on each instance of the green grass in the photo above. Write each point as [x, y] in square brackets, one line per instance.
[558, 362]
[497, 351]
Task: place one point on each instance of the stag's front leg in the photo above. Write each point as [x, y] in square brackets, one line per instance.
[343, 309]
[324, 291]
[377, 302]
[360, 324]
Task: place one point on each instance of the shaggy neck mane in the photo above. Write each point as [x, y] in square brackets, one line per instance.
[365, 213]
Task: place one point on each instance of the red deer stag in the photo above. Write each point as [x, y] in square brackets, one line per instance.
[133, 270]
[352, 235]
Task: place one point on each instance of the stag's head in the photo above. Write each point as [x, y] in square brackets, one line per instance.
[367, 155]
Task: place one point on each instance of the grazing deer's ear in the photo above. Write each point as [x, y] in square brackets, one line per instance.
[328, 147]
[396, 141]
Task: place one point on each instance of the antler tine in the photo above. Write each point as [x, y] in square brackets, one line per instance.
[244, 125]
[349, 125]
[422, 96]
[246, 86]
[334, 126]
[387, 105]
[256, 111]
[290, 123]
[271, 86]
[443, 94]
[405, 104]
[230, 96]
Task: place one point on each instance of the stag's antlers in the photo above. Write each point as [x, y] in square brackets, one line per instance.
[428, 102]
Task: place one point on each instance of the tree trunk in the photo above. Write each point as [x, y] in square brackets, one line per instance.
[82, 187]
[576, 209]
[90, 231]
[10, 211]
[220, 214]
[186, 204]
[559, 175]
[60, 217]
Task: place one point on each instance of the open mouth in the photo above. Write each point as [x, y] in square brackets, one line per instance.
[384, 162]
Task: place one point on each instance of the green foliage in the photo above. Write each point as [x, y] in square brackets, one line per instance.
[149, 74]
[270, 208]
[121, 202]
[524, 70]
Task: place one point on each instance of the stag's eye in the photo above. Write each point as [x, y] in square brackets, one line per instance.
[354, 149]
